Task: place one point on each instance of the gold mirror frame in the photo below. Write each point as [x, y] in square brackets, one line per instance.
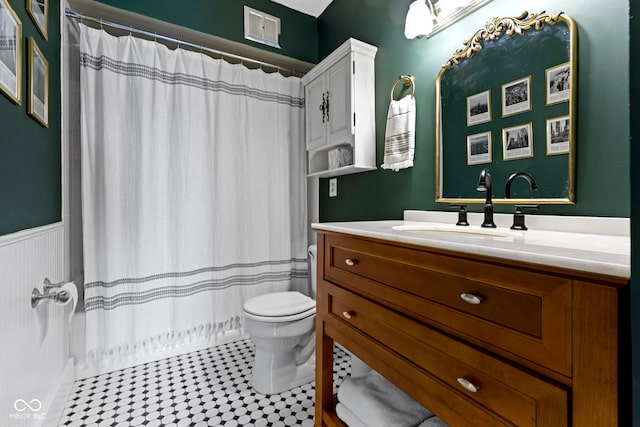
[494, 29]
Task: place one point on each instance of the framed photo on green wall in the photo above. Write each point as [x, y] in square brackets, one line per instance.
[10, 53]
[479, 148]
[38, 84]
[39, 12]
[558, 83]
[517, 142]
[479, 108]
[558, 132]
[516, 96]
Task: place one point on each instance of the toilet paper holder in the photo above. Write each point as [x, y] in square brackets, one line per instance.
[60, 296]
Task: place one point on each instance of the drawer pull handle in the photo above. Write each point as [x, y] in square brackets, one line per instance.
[347, 315]
[471, 298]
[468, 385]
[349, 262]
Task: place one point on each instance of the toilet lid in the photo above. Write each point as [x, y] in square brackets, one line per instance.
[279, 304]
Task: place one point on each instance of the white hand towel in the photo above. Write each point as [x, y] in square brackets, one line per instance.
[399, 137]
[433, 422]
[348, 417]
[378, 403]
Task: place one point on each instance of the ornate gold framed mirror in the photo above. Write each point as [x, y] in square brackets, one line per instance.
[507, 102]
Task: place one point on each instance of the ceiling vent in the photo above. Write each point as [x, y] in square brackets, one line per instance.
[261, 27]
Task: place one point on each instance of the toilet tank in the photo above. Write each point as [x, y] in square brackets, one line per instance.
[313, 268]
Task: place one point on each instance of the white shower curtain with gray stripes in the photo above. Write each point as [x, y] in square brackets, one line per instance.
[193, 193]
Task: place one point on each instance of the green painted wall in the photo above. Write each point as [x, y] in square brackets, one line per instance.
[30, 188]
[603, 128]
[635, 203]
[607, 62]
[30, 172]
[224, 18]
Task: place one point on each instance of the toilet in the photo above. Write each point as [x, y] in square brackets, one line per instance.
[282, 327]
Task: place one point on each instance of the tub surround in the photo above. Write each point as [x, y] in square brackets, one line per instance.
[481, 329]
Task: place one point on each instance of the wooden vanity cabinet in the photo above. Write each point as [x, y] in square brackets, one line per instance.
[479, 341]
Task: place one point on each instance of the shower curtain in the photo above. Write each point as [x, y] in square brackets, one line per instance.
[193, 192]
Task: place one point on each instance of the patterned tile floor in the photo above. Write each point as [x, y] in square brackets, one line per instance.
[205, 388]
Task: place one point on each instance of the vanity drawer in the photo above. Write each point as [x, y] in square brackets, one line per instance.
[522, 312]
[486, 383]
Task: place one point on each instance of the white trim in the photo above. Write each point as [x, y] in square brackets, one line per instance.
[19, 236]
[55, 407]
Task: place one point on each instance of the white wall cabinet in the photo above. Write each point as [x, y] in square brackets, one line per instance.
[340, 110]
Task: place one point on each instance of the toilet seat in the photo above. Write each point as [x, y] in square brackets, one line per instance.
[279, 307]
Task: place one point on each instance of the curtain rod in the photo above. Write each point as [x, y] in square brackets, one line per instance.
[243, 59]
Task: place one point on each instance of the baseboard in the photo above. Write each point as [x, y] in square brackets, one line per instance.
[55, 406]
[83, 370]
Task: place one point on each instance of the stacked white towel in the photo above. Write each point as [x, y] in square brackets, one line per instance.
[399, 137]
[372, 401]
[350, 419]
[433, 422]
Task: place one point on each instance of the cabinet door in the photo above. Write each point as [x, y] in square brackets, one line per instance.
[314, 92]
[338, 83]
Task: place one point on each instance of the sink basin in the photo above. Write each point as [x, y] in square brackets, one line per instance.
[445, 228]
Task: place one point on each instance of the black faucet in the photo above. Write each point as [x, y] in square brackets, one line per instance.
[518, 216]
[484, 184]
[529, 178]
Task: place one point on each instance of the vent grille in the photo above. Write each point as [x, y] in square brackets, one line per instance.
[261, 27]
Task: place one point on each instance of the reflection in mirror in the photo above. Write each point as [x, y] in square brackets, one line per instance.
[506, 102]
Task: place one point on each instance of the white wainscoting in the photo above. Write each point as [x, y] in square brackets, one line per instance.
[35, 368]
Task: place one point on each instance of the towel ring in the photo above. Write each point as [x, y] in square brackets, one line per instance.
[408, 81]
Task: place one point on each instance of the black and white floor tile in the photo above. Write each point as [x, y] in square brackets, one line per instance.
[211, 387]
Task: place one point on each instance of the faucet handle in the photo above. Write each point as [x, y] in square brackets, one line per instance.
[518, 216]
[462, 214]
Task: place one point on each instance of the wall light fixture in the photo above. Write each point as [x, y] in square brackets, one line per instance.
[426, 17]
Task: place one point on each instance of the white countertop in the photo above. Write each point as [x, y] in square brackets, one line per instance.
[592, 250]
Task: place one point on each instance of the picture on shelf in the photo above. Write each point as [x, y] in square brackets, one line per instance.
[517, 142]
[479, 108]
[10, 52]
[516, 96]
[479, 148]
[558, 136]
[558, 83]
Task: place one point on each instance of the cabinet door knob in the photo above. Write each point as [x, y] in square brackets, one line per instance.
[471, 298]
[468, 385]
[350, 262]
[347, 315]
